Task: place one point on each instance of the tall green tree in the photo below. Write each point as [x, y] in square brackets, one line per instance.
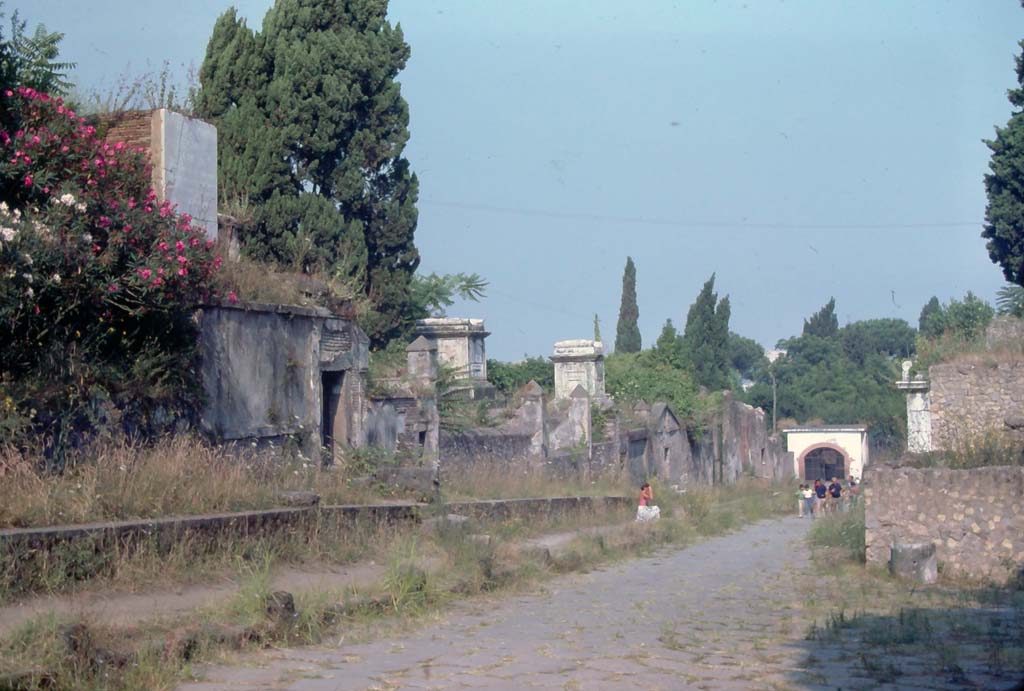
[823, 323]
[668, 349]
[745, 354]
[706, 338]
[931, 323]
[627, 331]
[1004, 185]
[312, 127]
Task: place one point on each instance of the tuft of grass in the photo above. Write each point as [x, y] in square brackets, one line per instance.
[843, 532]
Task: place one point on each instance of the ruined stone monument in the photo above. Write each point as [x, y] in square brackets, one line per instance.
[460, 344]
[183, 155]
[579, 363]
[919, 418]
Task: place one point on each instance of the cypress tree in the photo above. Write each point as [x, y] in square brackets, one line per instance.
[311, 127]
[1004, 214]
[627, 332]
[706, 337]
[823, 323]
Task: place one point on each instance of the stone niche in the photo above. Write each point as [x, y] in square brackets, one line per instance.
[460, 344]
[183, 154]
[579, 363]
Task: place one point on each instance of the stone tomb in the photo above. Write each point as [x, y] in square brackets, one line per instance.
[579, 363]
[460, 344]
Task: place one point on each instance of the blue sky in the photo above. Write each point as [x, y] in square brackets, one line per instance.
[798, 149]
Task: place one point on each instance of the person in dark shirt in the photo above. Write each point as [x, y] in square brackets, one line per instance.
[820, 492]
[835, 493]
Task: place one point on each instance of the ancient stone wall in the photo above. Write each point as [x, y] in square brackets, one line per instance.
[1004, 331]
[975, 517]
[971, 399]
[485, 449]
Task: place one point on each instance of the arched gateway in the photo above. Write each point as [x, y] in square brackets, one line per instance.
[821, 453]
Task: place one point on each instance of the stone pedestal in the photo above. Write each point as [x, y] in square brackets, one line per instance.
[460, 346]
[579, 363]
[919, 417]
[915, 562]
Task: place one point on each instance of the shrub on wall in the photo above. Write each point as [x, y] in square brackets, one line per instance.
[99, 283]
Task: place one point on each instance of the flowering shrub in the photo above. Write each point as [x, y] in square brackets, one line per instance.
[98, 281]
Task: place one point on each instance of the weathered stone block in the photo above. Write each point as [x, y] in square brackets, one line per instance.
[915, 561]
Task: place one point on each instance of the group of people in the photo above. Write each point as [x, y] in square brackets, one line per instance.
[813, 501]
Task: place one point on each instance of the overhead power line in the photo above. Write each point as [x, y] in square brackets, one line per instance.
[681, 223]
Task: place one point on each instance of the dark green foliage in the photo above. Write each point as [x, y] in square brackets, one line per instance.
[816, 380]
[627, 332]
[888, 337]
[930, 323]
[668, 349]
[968, 319]
[824, 322]
[597, 327]
[1004, 185]
[1010, 300]
[31, 59]
[745, 354]
[509, 377]
[644, 376]
[706, 338]
[311, 128]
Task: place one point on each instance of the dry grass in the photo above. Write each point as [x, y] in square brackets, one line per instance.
[496, 480]
[425, 572]
[177, 476]
[991, 448]
[255, 281]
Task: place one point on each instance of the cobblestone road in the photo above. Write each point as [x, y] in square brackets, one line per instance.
[712, 616]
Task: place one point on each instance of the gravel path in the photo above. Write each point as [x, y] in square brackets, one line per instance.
[712, 616]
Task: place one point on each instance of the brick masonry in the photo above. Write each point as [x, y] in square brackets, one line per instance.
[975, 517]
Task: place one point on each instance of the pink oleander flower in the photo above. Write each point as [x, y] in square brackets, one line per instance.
[180, 246]
[145, 273]
[28, 181]
[232, 298]
[183, 271]
[162, 247]
[182, 260]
